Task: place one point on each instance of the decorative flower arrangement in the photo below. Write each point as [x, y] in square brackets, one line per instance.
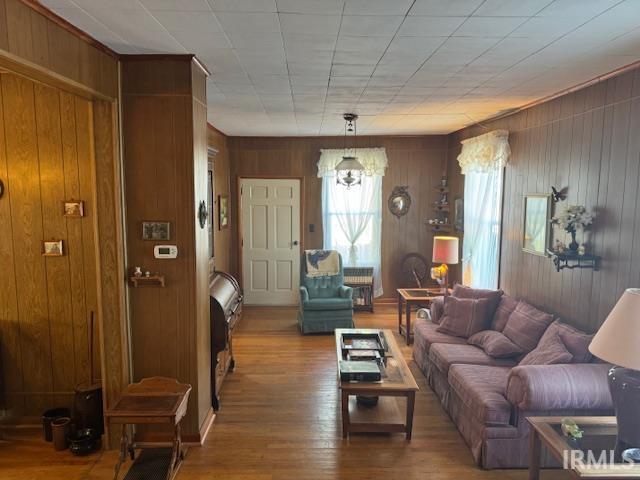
[574, 217]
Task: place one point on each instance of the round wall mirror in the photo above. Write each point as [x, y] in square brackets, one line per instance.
[400, 201]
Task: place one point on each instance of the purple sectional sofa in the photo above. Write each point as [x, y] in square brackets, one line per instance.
[489, 398]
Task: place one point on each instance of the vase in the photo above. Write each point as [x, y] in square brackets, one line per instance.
[573, 246]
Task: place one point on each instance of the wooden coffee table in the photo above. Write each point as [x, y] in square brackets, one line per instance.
[413, 296]
[397, 383]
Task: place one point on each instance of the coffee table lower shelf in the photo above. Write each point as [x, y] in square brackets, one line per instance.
[385, 417]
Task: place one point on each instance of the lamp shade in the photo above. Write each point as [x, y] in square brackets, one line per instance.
[618, 340]
[445, 250]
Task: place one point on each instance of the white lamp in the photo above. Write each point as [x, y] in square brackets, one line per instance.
[445, 251]
[618, 342]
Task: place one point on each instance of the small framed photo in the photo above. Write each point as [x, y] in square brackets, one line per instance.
[73, 208]
[156, 230]
[223, 212]
[52, 248]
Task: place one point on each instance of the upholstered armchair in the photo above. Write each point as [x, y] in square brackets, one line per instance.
[325, 302]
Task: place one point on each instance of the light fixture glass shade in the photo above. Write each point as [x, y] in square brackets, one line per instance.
[618, 339]
[349, 171]
[445, 250]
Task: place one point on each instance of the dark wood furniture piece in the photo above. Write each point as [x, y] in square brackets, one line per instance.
[360, 279]
[225, 305]
[397, 381]
[417, 297]
[157, 401]
[599, 437]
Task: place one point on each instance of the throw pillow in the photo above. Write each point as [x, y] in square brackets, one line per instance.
[551, 352]
[526, 325]
[576, 341]
[495, 344]
[462, 291]
[463, 317]
[505, 308]
[436, 309]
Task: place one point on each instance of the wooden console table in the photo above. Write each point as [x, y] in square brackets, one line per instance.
[155, 400]
[413, 296]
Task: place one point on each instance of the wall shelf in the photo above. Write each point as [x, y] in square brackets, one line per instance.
[572, 260]
[443, 227]
[151, 281]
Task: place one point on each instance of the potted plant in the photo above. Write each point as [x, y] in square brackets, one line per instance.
[574, 217]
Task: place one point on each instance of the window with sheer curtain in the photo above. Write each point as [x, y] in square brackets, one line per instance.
[482, 162]
[352, 218]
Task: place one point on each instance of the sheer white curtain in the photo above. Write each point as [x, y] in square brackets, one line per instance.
[352, 218]
[482, 162]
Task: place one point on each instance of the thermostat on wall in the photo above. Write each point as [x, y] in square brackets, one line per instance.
[165, 251]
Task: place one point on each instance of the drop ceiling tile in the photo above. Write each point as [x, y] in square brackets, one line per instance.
[201, 43]
[308, 81]
[309, 89]
[309, 56]
[445, 7]
[576, 8]
[389, 80]
[370, 25]
[310, 42]
[248, 55]
[249, 22]
[258, 41]
[549, 28]
[259, 67]
[227, 88]
[377, 7]
[102, 5]
[418, 26]
[306, 69]
[360, 44]
[255, 6]
[489, 26]
[297, 23]
[354, 58]
[271, 83]
[348, 82]
[338, 70]
[509, 8]
[323, 7]
[177, 5]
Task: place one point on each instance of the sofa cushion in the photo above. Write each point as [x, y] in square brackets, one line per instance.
[576, 341]
[327, 304]
[505, 308]
[444, 356]
[463, 317]
[425, 335]
[526, 325]
[550, 352]
[482, 390]
[495, 344]
[494, 296]
[436, 308]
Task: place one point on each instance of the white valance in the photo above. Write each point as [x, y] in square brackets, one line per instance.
[485, 153]
[374, 160]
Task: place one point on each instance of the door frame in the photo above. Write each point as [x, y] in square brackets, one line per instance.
[238, 216]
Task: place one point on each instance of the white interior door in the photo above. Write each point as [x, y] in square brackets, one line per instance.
[270, 211]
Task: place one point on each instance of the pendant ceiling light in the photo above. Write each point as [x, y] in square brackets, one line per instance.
[349, 171]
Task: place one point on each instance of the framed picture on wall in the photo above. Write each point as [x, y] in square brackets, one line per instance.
[52, 248]
[535, 229]
[223, 212]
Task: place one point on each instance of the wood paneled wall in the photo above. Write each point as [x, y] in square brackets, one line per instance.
[46, 157]
[222, 186]
[418, 162]
[27, 35]
[586, 141]
[165, 158]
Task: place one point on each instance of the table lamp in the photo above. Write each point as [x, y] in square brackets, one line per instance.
[445, 251]
[618, 342]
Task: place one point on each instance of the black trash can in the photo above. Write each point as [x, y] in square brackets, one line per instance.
[48, 417]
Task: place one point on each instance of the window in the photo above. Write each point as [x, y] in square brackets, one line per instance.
[352, 222]
[482, 225]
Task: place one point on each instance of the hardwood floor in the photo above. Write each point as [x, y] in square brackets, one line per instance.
[280, 420]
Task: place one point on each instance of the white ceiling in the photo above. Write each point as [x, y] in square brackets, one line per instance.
[292, 67]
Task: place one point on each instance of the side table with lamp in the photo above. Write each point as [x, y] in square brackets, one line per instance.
[618, 342]
[445, 251]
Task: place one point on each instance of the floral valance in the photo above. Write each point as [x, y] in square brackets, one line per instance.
[374, 160]
[485, 152]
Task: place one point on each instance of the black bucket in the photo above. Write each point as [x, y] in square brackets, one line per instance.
[48, 417]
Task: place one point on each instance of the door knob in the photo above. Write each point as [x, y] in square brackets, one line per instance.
[295, 242]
